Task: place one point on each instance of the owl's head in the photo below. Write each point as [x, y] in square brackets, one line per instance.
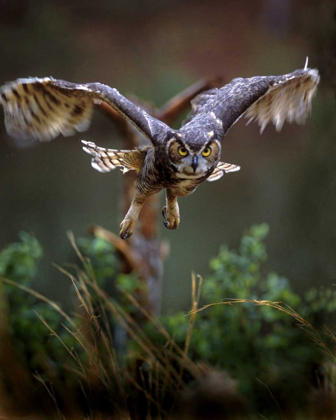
[191, 156]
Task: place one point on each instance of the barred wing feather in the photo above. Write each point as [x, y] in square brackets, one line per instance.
[105, 160]
[265, 99]
[43, 108]
[287, 100]
[221, 168]
[36, 109]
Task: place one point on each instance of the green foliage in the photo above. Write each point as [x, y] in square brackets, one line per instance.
[260, 346]
[104, 267]
[18, 260]
[35, 346]
[102, 258]
[255, 344]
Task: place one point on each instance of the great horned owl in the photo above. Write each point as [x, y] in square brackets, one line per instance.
[177, 160]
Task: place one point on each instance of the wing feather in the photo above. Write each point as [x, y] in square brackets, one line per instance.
[105, 160]
[43, 108]
[265, 99]
[34, 109]
[287, 100]
[221, 169]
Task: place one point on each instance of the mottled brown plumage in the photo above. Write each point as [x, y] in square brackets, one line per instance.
[177, 160]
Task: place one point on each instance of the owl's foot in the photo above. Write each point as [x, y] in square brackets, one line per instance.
[171, 216]
[126, 228]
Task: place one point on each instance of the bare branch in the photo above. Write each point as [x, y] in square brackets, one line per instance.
[181, 102]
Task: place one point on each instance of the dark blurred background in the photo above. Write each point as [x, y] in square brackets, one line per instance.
[153, 49]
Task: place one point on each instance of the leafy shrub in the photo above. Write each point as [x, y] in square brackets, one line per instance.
[262, 347]
[35, 346]
[273, 359]
[103, 259]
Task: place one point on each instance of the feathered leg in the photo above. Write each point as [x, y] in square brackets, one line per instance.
[171, 211]
[129, 222]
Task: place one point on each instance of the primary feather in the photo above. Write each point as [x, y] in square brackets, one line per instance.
[221, 169]
[43, 108]
[262, 98]
[286, 100]
[36, 109]
[105, 160]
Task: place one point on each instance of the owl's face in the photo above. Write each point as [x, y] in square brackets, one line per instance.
[193, 159]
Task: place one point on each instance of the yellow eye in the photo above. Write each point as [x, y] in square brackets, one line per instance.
[206, 152]
[182, 151]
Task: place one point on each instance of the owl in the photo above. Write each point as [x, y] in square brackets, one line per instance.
[176, 160]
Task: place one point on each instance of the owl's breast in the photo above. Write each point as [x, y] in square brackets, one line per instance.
[183, 186]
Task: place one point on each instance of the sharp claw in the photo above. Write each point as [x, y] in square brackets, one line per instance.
[125, 235]
[126, 232]
[166, 223]
[164, 212]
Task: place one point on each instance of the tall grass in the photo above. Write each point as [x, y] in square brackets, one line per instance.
[105, 383]
[145, 381]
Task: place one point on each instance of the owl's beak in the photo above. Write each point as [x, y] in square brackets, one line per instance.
[194, 163]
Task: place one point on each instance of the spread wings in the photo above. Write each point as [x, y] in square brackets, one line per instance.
[41, 109]
[105, 160]
[262, 98]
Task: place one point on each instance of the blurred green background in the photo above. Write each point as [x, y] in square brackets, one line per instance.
[154, 49]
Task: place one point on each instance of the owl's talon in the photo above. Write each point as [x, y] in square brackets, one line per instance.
[126, 228]
[171, 215]
[171, 226]
[171, 222]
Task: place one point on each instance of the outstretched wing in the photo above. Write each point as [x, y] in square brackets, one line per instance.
[262, 98]
[105, 160]
[41, 109]
[221, 168]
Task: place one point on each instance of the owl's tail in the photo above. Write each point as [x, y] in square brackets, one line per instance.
[105, 160]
